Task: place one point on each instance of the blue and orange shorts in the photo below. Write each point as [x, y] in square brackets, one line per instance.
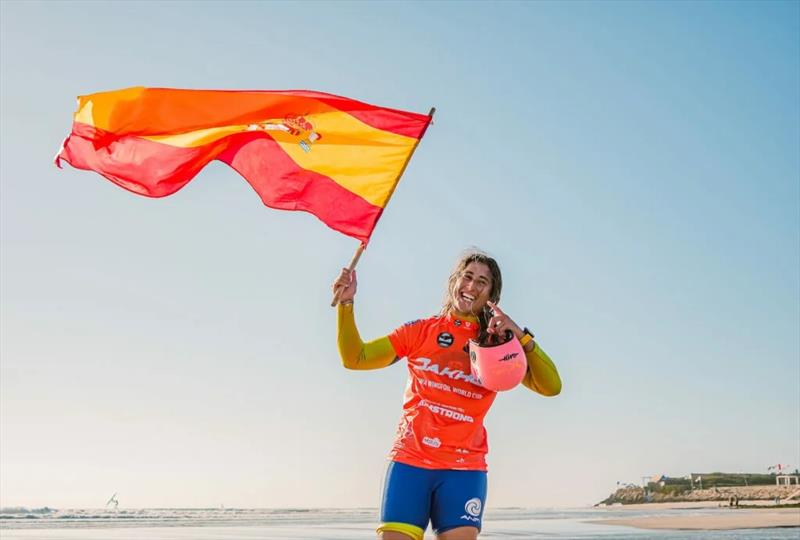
[413, 497]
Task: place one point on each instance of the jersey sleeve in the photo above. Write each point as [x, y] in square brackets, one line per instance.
[355, 353]
[407, 338]
[542, 376]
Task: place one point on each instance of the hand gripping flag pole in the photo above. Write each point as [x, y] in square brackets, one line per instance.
[360, 249]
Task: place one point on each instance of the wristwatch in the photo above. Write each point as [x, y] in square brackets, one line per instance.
[527, 337]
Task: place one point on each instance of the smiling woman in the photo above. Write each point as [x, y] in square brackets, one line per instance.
[437, 472]
[475, 280]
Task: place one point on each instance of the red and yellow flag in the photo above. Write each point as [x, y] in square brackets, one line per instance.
[334, 157]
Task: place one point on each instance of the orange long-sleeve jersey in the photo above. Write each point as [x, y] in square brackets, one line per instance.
[443, 408]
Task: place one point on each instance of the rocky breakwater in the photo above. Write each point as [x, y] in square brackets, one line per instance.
[638, 495]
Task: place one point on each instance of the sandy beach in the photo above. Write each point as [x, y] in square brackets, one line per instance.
[735, 519]
[359, 523]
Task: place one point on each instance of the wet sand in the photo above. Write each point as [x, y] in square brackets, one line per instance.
[735, 519]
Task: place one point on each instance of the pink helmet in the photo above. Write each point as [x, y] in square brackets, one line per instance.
[500, 366]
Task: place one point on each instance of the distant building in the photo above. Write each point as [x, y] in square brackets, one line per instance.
[787, 479]
[659, 479]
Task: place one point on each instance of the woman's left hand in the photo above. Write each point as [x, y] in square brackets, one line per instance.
[501, 322]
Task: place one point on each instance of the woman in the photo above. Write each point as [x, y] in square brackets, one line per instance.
[437, 472]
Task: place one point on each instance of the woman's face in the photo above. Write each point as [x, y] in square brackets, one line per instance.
[472, 289]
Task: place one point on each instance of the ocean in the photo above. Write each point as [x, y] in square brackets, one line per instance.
[335, 524]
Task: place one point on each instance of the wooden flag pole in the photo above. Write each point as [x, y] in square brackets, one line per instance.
[362, 246]
[353, 263]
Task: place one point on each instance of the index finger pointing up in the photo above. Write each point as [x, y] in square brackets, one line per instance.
[497, 310]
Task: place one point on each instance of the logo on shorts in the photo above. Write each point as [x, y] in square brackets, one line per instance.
[473, 509]
[432, 442]
[444, 339]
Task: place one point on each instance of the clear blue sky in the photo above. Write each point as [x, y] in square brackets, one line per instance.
[634, 167]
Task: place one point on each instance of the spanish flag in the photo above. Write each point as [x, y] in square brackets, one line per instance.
[334, 157]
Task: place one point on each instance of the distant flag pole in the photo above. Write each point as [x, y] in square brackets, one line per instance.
[360, 249]
[337, 158]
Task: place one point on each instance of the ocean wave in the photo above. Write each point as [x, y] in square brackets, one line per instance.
[19, 518]
[11, 510]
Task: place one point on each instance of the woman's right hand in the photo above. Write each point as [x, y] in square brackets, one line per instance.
[347, 283]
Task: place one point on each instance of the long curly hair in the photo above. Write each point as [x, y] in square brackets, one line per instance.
[477, 256]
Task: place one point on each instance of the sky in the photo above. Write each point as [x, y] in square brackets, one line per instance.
[634, 167]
